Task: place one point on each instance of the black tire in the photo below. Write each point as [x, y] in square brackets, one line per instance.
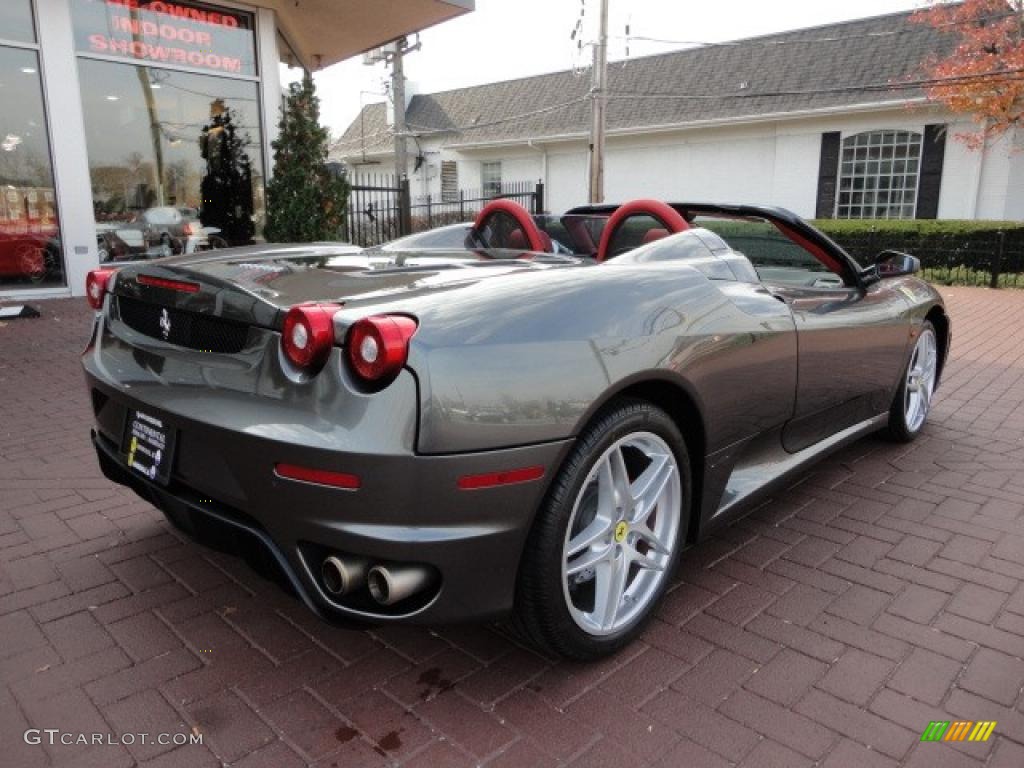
[166, 246]
[541, 613]
[898, 429]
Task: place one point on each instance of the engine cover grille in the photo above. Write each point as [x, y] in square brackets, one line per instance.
[181, 328]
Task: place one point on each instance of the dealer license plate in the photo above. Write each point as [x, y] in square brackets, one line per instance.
[149, 445]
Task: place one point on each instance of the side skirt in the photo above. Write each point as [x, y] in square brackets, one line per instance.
[752, 470]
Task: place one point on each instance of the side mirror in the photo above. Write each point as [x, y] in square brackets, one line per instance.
[896, 264]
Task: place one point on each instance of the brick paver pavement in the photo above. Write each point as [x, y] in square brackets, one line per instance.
[882, 591]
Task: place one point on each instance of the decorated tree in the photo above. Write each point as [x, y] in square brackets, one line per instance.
[305, 200]
[983, 76]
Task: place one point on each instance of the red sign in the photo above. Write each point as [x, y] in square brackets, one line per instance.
[179, 33]
[180, 11]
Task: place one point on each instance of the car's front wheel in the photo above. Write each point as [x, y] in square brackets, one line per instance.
[913, 399]
[607, 539]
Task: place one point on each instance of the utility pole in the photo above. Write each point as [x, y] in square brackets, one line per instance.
[598, 95]
[398, 96]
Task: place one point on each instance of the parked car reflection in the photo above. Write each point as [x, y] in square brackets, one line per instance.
[155, 233]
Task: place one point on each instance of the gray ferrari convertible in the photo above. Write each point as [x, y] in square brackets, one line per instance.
[536, 425]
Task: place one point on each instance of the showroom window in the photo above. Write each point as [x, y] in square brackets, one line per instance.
[490, 178]
[170, 97]
[16, 22]
[30, 251]
[878, 175]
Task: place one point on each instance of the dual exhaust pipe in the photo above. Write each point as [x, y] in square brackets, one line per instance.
[388, 584]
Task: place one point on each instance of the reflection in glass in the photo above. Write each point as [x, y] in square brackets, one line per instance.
[16, 21]
[227, 186]
[30, 253]
[290, 69]
[174, 157]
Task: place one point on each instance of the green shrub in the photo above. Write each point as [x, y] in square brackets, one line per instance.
[952, 252]
[916, 226]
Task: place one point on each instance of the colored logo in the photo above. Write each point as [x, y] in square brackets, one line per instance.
[958, 730]
[620, 531]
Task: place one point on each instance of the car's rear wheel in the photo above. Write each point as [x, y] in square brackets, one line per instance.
[166, 248]
[913, 399]
[607, 539]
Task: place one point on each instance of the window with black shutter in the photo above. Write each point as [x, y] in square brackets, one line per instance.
[933, 155]
[449, 181]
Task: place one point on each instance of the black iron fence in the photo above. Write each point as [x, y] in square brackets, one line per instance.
[429, 211]
[983, 256]
[380, 207]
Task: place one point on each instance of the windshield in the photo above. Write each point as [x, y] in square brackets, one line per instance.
[453, 236]
[573, 233]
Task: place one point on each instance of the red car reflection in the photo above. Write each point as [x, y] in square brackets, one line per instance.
[29, 251]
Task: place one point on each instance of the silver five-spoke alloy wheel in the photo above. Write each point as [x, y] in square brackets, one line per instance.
[621, 534]
[920, 380]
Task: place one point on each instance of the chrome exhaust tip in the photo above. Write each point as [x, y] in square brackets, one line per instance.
[391, 584]
[342, 576]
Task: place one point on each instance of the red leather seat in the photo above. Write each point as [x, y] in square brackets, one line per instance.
[655, 233]
[517, 241]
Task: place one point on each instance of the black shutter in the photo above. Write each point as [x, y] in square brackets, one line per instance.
[828, 169]
[933, 152]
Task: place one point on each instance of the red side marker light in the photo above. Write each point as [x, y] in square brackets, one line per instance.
[492, 479]
[318, 476]
[171, 285]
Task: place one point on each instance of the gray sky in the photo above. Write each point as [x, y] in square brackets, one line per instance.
[506, 39]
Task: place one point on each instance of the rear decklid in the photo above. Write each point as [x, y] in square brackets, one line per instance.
[209, 301]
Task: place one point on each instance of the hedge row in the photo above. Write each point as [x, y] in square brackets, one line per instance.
[920, 227]
[973, 244]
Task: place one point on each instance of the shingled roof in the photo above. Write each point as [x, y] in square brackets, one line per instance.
[844, 65]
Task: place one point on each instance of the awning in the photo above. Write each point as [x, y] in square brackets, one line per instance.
[327, 31]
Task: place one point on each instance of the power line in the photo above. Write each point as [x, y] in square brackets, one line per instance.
[794, 38]
[424, 131]
[994, 77]
[511, 119]
[982, 78]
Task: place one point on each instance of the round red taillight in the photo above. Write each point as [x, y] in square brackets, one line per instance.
[378, 347]
[97, 283]
[308, 335]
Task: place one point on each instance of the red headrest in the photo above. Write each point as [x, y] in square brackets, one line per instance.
[667, 216]
[532, 240]
[655, 233]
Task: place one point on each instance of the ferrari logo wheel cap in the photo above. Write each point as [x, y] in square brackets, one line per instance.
[620, 531]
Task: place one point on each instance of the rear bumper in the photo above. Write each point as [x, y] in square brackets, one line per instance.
[223, 491]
